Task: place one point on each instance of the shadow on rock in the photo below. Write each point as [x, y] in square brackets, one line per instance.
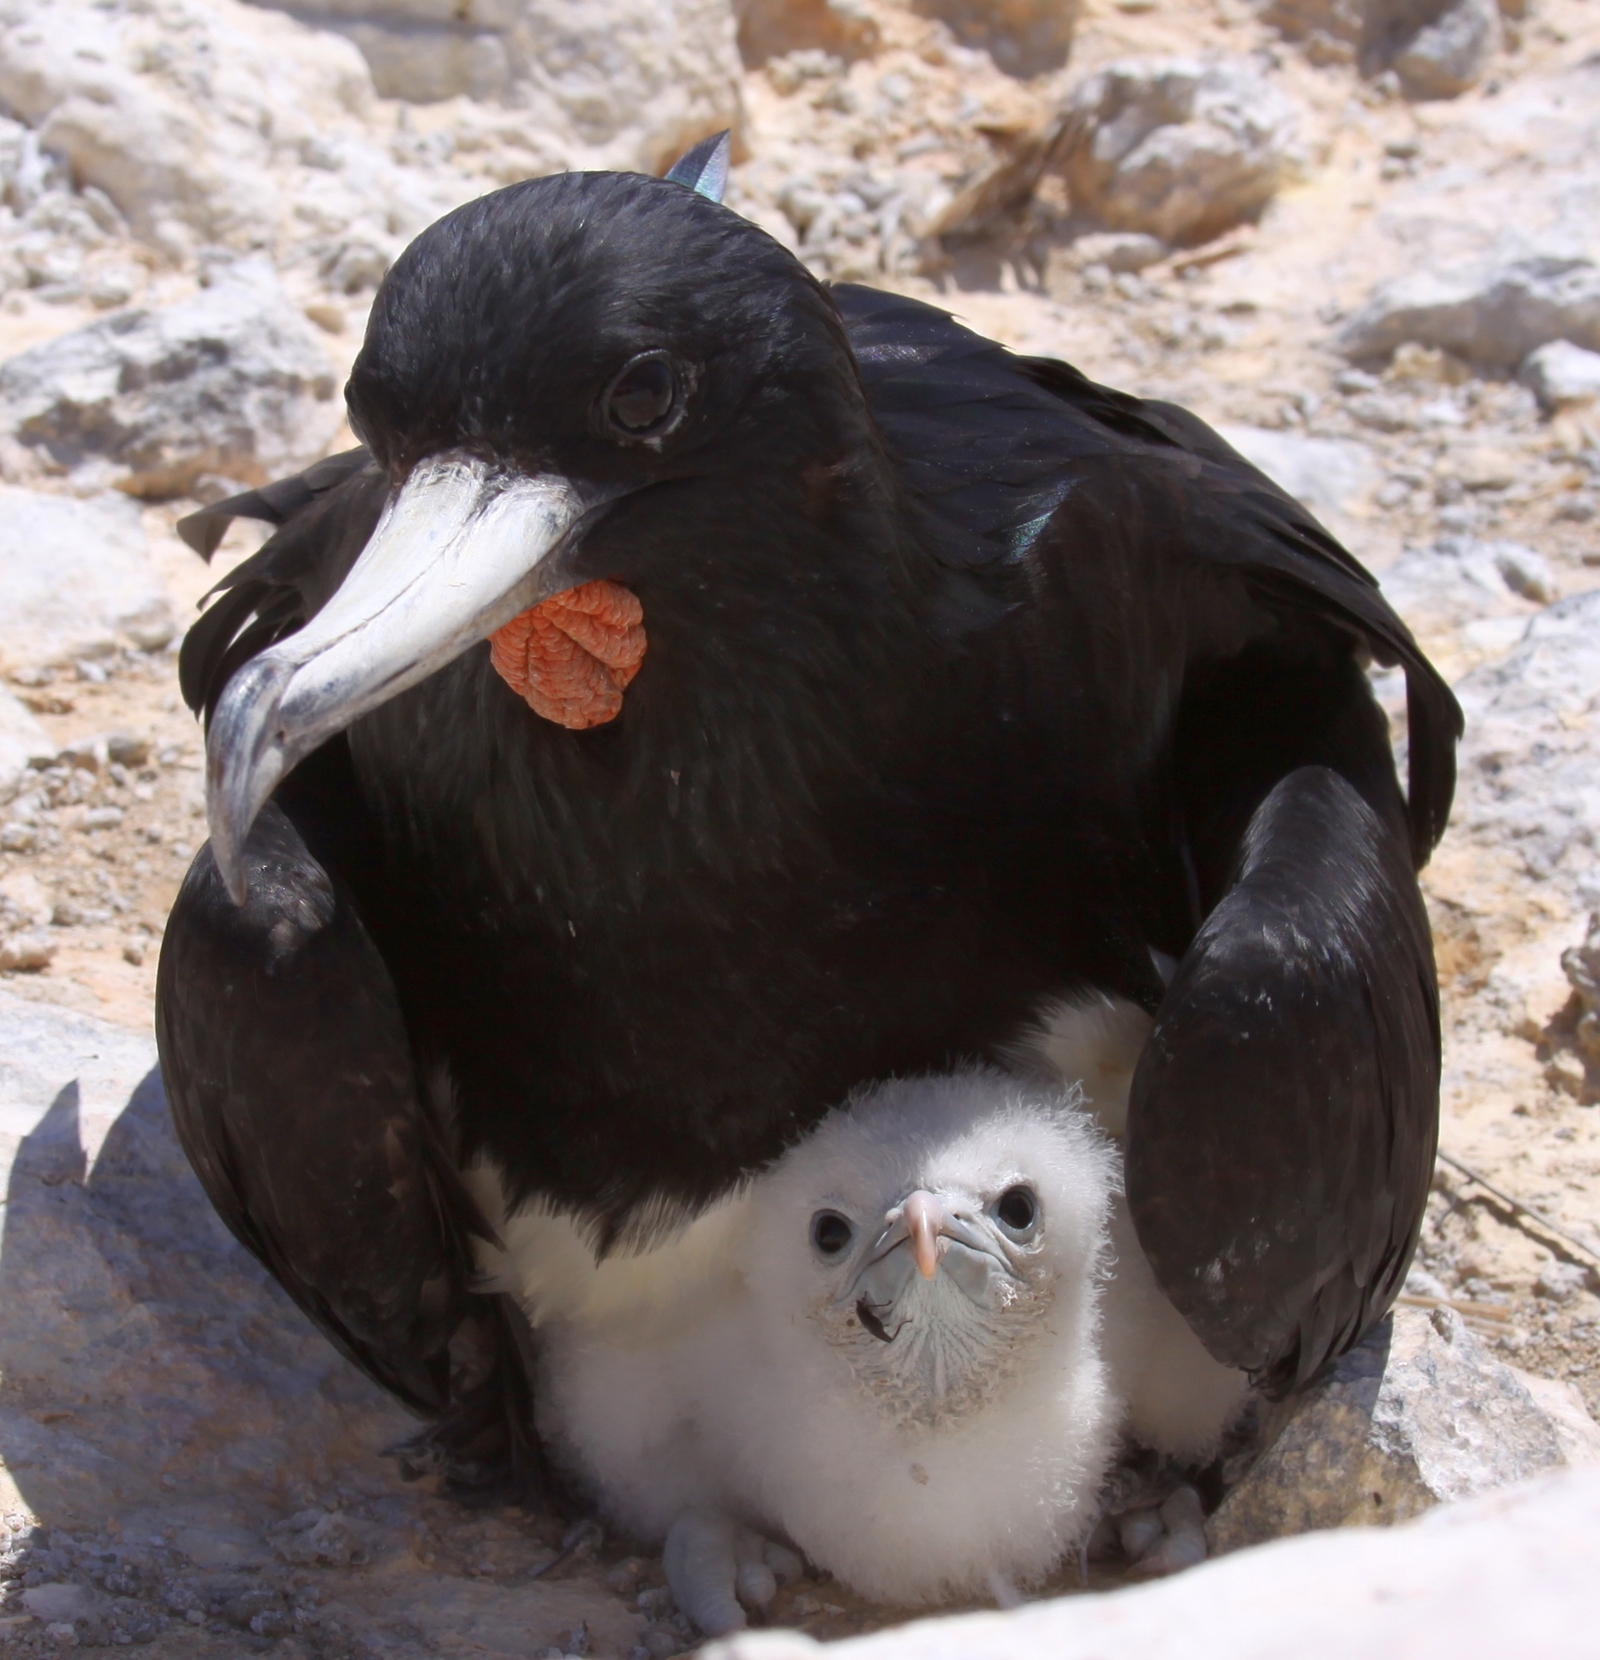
[147, 1359]
[183, 1453]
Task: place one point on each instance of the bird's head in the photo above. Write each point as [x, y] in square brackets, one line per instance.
[600, 391]
[935, 1228]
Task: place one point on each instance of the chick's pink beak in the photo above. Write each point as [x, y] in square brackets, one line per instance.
[924, 1218]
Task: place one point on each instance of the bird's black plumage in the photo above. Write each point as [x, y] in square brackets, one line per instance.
[969, 682]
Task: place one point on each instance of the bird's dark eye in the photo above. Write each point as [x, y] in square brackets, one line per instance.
[642, 401]
[831, 1232]
[1018, 1209]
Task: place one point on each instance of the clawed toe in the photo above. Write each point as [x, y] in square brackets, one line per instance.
[1167, 1539]
[718, 1570]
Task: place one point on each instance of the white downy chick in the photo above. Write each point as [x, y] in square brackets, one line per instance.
[883, 1350]
[909, 1348]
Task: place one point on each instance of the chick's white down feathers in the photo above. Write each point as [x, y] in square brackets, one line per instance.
[921, 1394]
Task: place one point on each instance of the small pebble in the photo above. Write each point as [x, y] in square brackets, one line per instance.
[625, 1577]
[26, 953]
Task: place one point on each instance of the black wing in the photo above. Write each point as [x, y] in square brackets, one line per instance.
[1284, 1116]
[295, 1097]
[1006, 451]
[1282, 1129]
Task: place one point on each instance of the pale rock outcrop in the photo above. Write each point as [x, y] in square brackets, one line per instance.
[77, 579]
[233, 381]
[1512, 1572]
[1560, 373]
[1581, 965]
[1437, 48]
[24, 744]
[211, 122]
[1177, 147]
[1117, 250]
[634, 82]
[1452, 53]
[178, 117]
[215, 123]
[1417, 1414]
[62, 241]
[1459, 584]
[1492, 313]
[1529, 784]
[946, 157]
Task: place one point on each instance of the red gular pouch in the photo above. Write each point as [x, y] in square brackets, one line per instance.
[572, 657]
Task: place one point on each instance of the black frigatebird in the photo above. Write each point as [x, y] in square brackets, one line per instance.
[706, 690]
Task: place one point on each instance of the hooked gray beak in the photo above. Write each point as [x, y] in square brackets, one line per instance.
[461, 549]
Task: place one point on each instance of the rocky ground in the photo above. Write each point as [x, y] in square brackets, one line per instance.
[1364, 243]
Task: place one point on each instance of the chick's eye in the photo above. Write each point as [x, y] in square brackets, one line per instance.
[830, 1232]
[1018, 1209]
[642, 400]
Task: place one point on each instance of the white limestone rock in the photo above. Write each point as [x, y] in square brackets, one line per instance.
[1524, 570]
[77, 579]
[1561, 374]
[56, 239]
[1510, 1573]
[1180, 148]
[1492, 312]
[60, 1604]
[631, 82]
[233, 381]
[1453, 52]
[26, 953]
[1436, 47]
[1529, 783]
[211, 122]
[1118, 250]
[1418, 1414]
[1577, 1434]
[24, 743]
[1473, 590]
[1581, 965]
[25, 903]
[177, 117]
